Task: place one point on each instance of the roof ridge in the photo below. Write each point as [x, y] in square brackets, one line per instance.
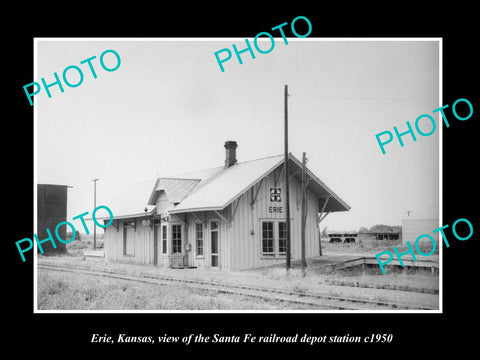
[266, 157]
[222, 166]
[177, 178]
[218, 173]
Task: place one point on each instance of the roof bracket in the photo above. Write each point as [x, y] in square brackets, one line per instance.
[277, 178]
[324, 216]
[131, 223]
[234, 209]
[203, 221]
[181, 220]
[321, 216]
[221, 216]
[256, 193]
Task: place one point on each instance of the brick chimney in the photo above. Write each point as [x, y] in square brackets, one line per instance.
[231, 153]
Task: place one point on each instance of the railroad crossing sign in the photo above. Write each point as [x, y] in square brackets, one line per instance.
[275, 194]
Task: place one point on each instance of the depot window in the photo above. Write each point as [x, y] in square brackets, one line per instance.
[199, 238]
[176, 239]
[274, 238]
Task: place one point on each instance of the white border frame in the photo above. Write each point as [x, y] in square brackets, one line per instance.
[440, 197]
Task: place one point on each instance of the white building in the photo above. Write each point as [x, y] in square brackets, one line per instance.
[229, 217]
[413, 228]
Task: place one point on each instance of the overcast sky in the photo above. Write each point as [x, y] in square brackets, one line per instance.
[168, 109]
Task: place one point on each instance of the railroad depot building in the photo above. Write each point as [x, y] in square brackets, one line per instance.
[228, 217]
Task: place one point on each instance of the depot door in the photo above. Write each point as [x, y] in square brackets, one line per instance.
[155, 244]
[214, 242]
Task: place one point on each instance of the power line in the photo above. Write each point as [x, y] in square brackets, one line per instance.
[369, 98]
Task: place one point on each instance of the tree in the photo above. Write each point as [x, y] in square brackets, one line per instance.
[382, 228]
[77, 235]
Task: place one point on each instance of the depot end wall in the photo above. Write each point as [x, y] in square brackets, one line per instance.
[246, 230]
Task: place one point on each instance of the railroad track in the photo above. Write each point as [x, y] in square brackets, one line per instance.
[312, 299]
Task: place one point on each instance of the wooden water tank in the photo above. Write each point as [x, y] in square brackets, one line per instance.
[52, 209]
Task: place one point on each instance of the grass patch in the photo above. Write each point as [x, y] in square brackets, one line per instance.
[300, 289]
[66, 291]
[86, 244]
[374, 246]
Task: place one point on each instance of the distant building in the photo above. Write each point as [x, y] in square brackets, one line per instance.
[382, 235]
[342, 236]
[413, 228]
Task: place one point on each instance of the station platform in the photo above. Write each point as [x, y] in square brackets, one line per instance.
[331, 262]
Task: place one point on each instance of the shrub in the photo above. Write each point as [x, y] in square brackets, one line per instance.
[78, 236]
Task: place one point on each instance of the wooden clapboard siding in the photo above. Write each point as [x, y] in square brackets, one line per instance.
[245, 232]
[242, 241]
[225, 241]
[162, 203]
[142, 238]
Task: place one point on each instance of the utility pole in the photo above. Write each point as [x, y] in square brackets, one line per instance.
[304, 212]
[287, 197]
[94, 206]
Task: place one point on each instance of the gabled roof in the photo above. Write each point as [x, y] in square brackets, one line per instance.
[224, 185]
[215, 188]
[175, 189]
[319, 188]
